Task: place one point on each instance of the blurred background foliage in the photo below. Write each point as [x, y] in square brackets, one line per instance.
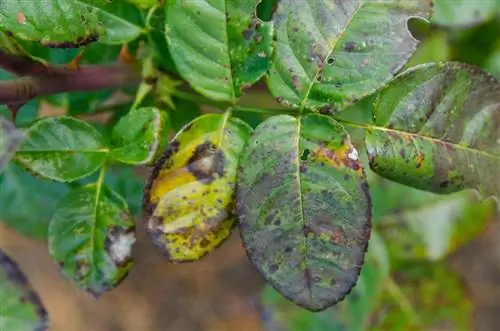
[407, 283]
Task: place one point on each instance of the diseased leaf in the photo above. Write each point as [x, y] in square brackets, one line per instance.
[189, 198]
[136, 137]
[91, 236]
[435, 294]
[437, 128]
[464, 13]
[10, 139]
[70, 23]
[62, 149]
[220, 47]
[329, 54]
[352, 314]
[21, 308]
[304, 208]
[437, 228]
[28, 201]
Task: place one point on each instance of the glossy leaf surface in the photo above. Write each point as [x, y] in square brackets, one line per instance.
[28, 202]
[21, 308]
[62, 149]
[437, 128]
[218, 46]
[10, 139]
[329, 54]
[189, 199]
[69, 23]
[91, 236]
[304, 208]
[136, 137]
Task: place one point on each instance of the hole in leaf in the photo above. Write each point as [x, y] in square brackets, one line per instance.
[419, 28]
[330, 60]
[266, 9]
[305, 154]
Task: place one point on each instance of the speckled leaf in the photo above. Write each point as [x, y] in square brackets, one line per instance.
[437, 128]
[91, 236]
[10, 139]
[189, 199]
[304, 208]
[21, 308]
[70, 23]
[218, 46]
[465, 13]
[62, 149]
[136, 137]
[331, 53]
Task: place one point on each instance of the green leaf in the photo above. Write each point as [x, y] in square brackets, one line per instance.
[492, 64]
[353, 314]
[62, 149]
[91, 236]
[189, 198]
[464, 13]
[127, 183]
[10, 140]
[331, 54]
[70, 23]
[21, 309]
[437, 129]
[184, 112]
[437, 228]
[220, 47]
[28, 202]
[304, 208]
[136, 137]
[435, 294]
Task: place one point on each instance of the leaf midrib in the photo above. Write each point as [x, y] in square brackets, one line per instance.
[340, 36]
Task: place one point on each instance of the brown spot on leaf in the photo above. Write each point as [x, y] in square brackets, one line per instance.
[21, 18]
[81, 41]
[350, 46]
[206, 163]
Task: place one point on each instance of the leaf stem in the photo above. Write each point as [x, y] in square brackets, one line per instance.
[395, 291]
[354, 124]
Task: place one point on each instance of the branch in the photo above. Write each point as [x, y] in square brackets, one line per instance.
[21, 66]
[54, 80]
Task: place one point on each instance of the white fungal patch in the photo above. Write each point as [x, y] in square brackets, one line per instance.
[353, 154]
[121, 247]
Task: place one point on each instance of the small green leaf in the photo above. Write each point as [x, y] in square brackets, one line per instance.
[492, 64]
[304, 208]
[189, 198]
[10, 140]
[70, 23]
[330, 54]
[28, 202]
[464, 13]
[437, 128]
[220, 47]
[437, 228]
[91, 236]
[21, 308]
[136, 137]
[62, 149]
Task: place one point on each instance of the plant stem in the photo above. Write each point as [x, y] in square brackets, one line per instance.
[395, 291]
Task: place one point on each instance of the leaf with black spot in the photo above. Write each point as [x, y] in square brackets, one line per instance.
[10, 139]
[437, 128]
[91, 236]
[71, 23]
[63, 149]
[220, 47]
[136, 137]
[21, 308]
[304, 208]
[332, 53]
[189, 198]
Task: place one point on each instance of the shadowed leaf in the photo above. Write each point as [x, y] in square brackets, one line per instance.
[70, 23]
[91, 236]
[21, 308]
[189, 199]
[437, 128]
[136, 137]
[304, 208]
[62, 149]
[220, 47]
[10, 139]
[331, 53]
